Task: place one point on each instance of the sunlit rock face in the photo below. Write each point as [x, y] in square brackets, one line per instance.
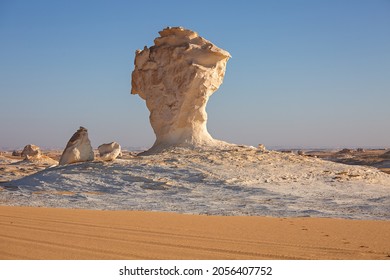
[109, 151]
[31, 151]
[176, 77]
[78, 149]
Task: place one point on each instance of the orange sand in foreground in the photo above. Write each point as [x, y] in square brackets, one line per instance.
[42, 233]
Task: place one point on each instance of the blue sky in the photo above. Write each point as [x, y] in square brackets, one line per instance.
[302, 73]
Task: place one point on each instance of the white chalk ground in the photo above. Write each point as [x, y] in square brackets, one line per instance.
[235, 181]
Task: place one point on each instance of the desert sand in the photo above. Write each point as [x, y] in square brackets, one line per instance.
[48, 233]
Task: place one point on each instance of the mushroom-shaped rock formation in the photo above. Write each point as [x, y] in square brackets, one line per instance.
[31, 151]
[176, 77]
[78, 149]
[110, 151]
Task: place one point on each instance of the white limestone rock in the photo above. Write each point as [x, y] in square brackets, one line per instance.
[261, 148]
[31, 151]
[16, 153]
[176, 77]
[78, 149]
[110, 151]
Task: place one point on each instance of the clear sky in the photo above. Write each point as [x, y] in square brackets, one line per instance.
[302, 73]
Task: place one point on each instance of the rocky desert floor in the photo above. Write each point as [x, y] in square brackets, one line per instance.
[237, 180]
[379, 158]
[14, 167]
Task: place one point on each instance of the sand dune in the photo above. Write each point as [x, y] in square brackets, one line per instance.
[44, 233]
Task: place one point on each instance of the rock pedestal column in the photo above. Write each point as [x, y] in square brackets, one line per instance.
[176, 77]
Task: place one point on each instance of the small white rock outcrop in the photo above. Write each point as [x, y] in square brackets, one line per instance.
[176, 77]
[78, 149]
[261, 148]
[30, 151]
[110, 151]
